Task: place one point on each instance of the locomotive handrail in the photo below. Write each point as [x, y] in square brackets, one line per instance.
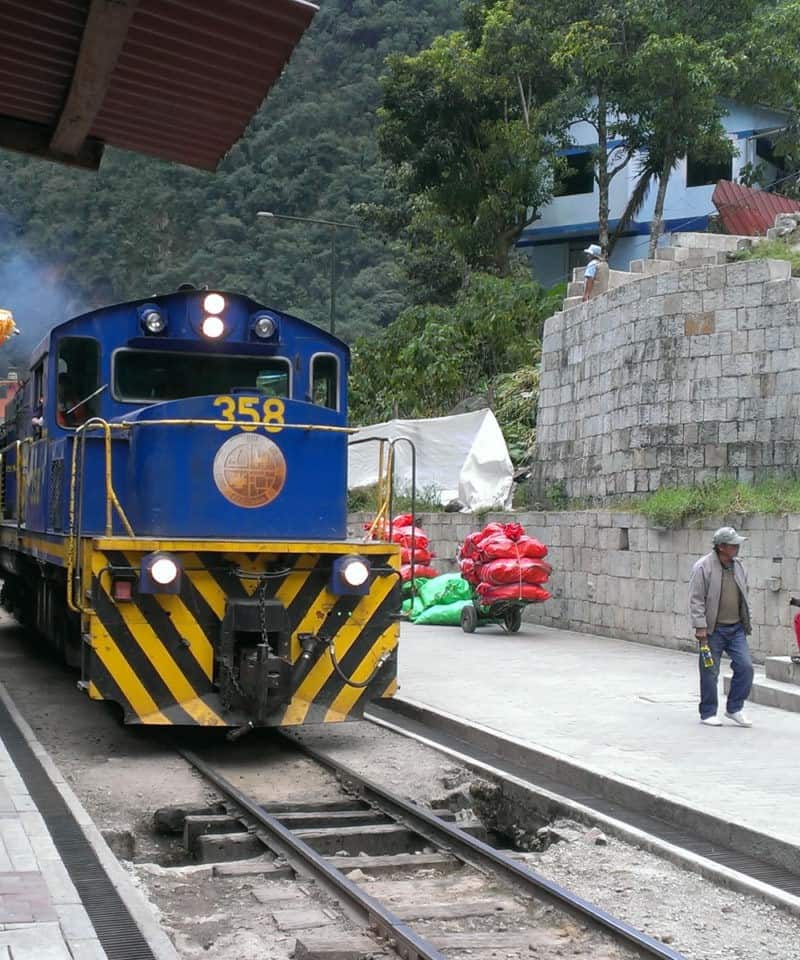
[112, 503]
[385, 505]
[248, 425]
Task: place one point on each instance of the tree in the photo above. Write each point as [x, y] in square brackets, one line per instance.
[434, 356]
[140, 226]
[471, 139]
[678, 79]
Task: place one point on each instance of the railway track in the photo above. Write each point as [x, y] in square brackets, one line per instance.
[406, 875]
[698, 840]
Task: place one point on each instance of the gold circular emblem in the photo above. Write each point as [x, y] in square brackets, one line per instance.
[249, 470]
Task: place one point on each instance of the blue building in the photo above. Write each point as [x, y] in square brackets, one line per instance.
[555, 243]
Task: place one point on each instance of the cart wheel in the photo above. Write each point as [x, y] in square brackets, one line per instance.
[469, 618]
[512, 619]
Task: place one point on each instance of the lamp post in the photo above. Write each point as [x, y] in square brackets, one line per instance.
[334, 224]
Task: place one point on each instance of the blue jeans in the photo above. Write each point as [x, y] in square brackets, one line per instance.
[728, 639]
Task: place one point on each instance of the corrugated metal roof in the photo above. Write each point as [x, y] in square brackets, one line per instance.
[182, 81]
[746, 212]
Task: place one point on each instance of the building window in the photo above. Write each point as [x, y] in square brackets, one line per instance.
[702, 173]
[765, 150]
[578, 177]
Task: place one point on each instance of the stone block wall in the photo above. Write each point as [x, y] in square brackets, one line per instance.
[673, 379]
[616, 575]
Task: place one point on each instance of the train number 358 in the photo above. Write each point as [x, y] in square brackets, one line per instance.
[264, 413]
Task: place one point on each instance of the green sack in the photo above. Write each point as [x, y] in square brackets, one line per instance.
[442, 614]
[417, 583]
[446, 588]
[412, 607]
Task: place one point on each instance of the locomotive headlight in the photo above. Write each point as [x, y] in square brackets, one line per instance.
[161, 573]
[213, 327]
[214, 303]
[152, 319]
[264, 326]
[164, 570]
[350, 575]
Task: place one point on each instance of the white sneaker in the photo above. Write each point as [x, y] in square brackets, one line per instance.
[713, 721]
[739, 718]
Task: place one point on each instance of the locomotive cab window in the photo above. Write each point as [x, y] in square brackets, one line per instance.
[325, 381]
[78, 379]
[152, 376]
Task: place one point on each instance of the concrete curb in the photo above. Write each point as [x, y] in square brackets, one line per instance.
[551, 803]
[770, 693]
[138, 907]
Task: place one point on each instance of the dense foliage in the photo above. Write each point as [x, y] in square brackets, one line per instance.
[75, 239]
[486, 345]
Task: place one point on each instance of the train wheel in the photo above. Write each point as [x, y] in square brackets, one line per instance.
[469, 618]
[512, 619]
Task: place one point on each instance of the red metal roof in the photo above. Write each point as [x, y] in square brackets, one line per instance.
[746, 212]
[177, 79]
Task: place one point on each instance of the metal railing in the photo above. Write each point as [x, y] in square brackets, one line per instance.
[381, 526]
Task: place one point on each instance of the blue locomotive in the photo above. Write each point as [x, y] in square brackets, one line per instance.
[173, 502]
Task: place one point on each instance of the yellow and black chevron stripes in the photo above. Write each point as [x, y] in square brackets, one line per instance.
[155, 655]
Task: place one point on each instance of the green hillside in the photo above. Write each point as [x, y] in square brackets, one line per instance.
[70, 240]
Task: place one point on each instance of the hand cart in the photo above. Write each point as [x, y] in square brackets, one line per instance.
[506, 613]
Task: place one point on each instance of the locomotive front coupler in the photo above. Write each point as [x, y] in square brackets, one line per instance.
[312, 648]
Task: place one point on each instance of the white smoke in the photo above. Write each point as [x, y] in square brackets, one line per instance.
[39, 300]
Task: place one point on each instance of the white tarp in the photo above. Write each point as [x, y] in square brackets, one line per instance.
[463, 456]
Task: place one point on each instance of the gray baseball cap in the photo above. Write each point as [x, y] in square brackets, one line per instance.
[727, 535]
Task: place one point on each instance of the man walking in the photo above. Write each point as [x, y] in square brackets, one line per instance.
[720, 615]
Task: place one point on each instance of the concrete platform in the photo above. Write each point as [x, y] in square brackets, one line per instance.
[42, 916]
[627, 710]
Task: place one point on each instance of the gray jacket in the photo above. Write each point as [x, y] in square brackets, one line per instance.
[705, 586]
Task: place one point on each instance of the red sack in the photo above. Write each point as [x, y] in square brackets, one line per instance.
[403, 520]
[514, 531]
[471, 546]
[525, 570]
[490, 530]
[531, 547]
[420, 555]
[497, 547]
[402, 535]
[500, 546]
[469, 571]
[526, 591]
[419, 571]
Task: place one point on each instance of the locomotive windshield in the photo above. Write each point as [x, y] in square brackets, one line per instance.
[148, 376]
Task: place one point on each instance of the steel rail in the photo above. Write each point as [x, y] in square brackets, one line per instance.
[482, 856]
[372, 913]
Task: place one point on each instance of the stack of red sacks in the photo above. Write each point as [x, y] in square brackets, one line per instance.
[405, 533]
[503, 563]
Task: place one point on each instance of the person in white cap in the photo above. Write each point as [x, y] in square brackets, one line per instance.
[595, 252]
[719, 610]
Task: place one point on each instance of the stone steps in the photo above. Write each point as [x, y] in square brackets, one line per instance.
[720, 242]
[783, 669]
[772, 693]
[682, 251]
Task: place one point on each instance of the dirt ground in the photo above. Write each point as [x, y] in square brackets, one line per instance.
[122, 775]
